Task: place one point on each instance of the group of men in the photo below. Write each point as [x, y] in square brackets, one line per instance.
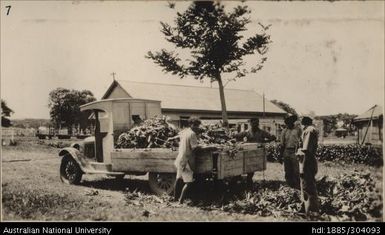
[298, 147]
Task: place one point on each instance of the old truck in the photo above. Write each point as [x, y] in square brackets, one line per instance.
[45, 132]
[49, 132]
[98, 154]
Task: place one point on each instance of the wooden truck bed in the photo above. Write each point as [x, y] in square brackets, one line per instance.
[249, 159]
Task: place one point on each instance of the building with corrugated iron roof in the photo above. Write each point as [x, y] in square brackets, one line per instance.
[181, 102]
[369, 125]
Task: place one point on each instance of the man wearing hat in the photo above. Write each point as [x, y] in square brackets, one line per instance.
[308, 165]
[254, 135]
[290, 140]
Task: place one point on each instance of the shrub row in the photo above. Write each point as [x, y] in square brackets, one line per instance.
[351, 153]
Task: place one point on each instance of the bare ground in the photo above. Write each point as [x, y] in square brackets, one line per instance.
[32, 190]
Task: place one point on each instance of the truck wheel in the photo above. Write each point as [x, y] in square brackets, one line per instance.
[233, 181]
[70, 172]
[161, 183]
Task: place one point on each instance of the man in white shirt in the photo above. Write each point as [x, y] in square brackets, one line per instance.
[185, 161]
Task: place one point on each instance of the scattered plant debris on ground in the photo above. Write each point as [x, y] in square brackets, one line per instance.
[350, 197]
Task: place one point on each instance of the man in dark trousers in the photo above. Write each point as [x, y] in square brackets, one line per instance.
[290, 139]
[185, 161]
[308, 165]
[254, 135]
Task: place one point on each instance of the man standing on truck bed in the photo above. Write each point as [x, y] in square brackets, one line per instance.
[185, 161]
[254, 135]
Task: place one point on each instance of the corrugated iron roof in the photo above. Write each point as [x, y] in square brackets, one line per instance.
[196, 98]
[377, 110]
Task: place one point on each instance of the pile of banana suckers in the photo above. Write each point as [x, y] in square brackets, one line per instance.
[151, 133]
[158, 133]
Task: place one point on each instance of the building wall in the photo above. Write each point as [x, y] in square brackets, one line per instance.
[373, 132]
[118, 92]
[177, 114]
[274, 125]
[271, 123]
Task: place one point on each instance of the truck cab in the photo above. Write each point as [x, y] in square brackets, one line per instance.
[112, 117]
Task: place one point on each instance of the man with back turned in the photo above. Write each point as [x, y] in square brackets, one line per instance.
[308, 165]
[290, 139]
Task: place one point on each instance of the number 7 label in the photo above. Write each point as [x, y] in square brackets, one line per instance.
[8, 9]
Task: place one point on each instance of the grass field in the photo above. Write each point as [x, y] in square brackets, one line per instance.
[32, 190]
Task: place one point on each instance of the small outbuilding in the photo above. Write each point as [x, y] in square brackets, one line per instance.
[370, 126]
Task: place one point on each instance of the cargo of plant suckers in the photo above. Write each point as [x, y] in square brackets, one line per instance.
[122, 145]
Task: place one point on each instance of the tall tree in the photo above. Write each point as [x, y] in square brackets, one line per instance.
[212, 38]
[5, 112]
[286, 107]
[65, 105]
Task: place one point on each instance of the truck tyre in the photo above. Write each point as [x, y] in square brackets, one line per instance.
[70, 172]
[161, 183]
[233, 181]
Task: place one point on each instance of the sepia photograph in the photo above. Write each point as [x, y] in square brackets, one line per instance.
[191, 111]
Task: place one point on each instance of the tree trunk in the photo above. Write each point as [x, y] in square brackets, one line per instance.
[223, 102]
[68, 126]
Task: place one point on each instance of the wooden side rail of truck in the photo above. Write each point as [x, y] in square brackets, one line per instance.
[97, 155]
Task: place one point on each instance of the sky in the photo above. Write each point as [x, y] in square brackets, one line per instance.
[324, 57]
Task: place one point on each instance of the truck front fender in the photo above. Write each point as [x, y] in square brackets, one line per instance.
[75, 155]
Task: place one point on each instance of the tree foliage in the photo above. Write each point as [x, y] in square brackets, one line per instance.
[330, 121]
[65, 105]
[286, 107]
[213, 39]
[5, 112]
[31, 123]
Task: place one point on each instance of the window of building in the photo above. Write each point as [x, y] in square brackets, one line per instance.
[183, 121]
